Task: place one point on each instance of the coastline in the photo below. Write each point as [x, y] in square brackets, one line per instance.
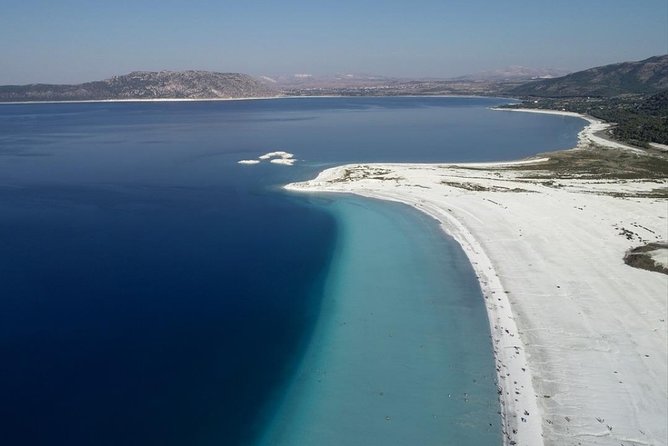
[258, 98]
[551, 270]
[588, 135]
[111, 101]
[400, 305]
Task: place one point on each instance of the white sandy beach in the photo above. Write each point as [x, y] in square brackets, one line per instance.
[580, 337]
[590, 134]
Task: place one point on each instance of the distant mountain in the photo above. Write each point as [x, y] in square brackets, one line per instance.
[145, 85]
[345, 80]
[513, 73]
[647, 76]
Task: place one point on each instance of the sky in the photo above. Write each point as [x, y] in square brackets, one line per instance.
[71, 41]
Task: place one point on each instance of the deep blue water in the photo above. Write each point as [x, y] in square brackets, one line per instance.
[156, 292]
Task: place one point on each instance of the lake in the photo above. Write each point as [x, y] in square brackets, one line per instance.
[155, 291]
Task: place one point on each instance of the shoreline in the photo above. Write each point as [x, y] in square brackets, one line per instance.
[510, 362]
[113, 101]
[259, 98]
[588, 135]
[372, 372]
[531, 345]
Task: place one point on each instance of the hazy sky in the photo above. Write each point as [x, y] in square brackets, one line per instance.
[65, 41]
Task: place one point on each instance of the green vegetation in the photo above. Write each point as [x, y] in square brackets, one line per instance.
[480, 188]
[633, 95]
[595, 164]
[640, 119]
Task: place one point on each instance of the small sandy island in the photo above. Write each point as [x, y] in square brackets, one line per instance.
[579, 336]
[277, 157]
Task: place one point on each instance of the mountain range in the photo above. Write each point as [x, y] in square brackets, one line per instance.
[514, 73]
[145, 85]
[647, 76]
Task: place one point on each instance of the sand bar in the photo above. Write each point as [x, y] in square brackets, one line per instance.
[579, 337]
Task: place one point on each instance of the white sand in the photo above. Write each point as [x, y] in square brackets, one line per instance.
[283, 161]
[658, 146]
[278, 154]
[589, 135]
[278, 157]
[660, 256]
[580, 337]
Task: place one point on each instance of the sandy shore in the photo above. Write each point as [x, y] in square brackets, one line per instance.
[589, 135]
[579, 336]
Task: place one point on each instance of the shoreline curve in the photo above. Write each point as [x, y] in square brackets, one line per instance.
[537, 394]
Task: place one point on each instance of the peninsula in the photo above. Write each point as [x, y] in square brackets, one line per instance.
[579, 335]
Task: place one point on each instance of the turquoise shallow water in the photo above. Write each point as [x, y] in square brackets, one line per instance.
[157, 292]
[401, 354]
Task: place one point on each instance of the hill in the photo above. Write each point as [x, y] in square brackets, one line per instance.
[514, 73]
[647, 76]
[145, 85]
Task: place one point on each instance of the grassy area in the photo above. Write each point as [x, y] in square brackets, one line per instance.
[638, 119]
[599, 163]
[595, 163]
